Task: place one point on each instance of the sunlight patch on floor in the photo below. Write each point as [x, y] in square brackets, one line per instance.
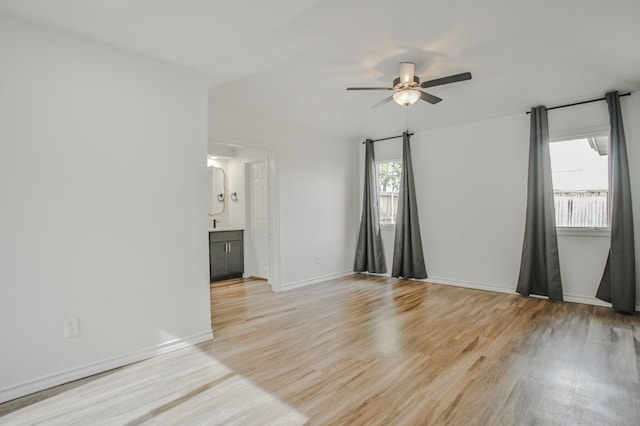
[184, 386]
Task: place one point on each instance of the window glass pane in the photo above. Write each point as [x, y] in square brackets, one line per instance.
[389, 173]
[580, 172]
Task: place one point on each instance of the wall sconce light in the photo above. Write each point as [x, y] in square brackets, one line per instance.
[220, 197]
[234, 196]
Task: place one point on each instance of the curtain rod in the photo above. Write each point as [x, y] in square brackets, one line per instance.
[580, 103]
[385, 139]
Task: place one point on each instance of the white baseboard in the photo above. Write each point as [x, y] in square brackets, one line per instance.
[304, 283]
[585, 300]
[70, 375]
[590, 301]
[470, 284]
[503, 289]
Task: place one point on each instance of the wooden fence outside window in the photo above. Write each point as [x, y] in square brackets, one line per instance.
[581, 209]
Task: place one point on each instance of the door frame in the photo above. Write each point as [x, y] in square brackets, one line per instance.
[273, 221]
[275, 278]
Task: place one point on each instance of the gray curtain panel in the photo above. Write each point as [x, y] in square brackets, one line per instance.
[540, 266]
[408, 259]
[369, 252]
[618, 284]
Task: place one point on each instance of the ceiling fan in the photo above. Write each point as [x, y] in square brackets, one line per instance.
[407, 86]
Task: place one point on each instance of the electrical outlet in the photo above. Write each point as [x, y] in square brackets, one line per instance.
[317, 259]
[71, 327]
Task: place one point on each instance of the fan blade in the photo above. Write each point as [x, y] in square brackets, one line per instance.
[429, 97]
[446, 80]
[369, 88]
[382, 102]
[407, 71]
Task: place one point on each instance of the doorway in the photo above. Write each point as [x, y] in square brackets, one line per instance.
[251, 205]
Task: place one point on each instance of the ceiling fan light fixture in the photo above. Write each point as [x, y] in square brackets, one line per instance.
[406, 97]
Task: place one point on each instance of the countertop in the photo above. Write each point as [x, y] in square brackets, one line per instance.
[227, 228]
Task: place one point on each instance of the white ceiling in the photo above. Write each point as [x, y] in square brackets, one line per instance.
[289, 61]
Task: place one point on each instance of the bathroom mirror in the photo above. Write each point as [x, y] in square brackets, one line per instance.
[217, 190]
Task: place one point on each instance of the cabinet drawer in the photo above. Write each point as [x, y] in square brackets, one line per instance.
[219, 236]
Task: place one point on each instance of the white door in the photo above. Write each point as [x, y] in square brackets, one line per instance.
[259, 218]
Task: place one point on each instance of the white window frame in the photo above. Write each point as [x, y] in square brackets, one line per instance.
[583, 231]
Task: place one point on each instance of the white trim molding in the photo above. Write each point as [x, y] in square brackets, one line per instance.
[583, 232]
[311, 281]
[586, 300]
[275, 260]
[56, 379]
[511, 290]
[473, 285]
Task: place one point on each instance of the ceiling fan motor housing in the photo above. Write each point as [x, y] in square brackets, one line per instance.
[397, 84]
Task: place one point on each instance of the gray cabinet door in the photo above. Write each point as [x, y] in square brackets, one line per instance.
[226, 255]
[235, 258]
[217, 261]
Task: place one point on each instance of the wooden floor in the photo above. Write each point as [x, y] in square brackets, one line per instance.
[371, 350]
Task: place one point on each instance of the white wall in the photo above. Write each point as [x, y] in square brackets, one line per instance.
[317, 191]
[103, 188]
[471, 190]
[471, 183]
[471, 200]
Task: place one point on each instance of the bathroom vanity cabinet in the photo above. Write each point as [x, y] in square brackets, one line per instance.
[226, 255]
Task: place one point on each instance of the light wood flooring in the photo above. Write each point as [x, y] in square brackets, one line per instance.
[371, 350]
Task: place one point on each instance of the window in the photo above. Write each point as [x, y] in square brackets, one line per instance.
[389, 173]
[580, 173]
